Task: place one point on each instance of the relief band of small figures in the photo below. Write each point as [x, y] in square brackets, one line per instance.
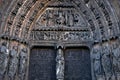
[63, 35]
[13, 61]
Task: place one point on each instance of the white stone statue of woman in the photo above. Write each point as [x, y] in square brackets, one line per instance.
[60, 65]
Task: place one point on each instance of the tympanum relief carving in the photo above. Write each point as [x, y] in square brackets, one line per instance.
[54, 17]
[58, 23]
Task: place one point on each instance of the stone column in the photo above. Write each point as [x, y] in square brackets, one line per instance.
[60, 64]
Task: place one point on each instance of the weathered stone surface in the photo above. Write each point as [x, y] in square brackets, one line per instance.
[67, 23]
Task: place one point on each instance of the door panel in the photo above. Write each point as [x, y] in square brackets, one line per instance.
[77, 64]
[42, 64]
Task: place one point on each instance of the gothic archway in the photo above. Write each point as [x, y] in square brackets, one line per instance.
[91, 23]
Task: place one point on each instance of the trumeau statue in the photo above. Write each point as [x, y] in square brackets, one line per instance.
[4, 54]
[60, 65]
[22, 63]
[98, 71]
[107, 62]
[13, 63]
[116, 59]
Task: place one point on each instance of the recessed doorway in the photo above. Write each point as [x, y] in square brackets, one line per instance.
[42, 64]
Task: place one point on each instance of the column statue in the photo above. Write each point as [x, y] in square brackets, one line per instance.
[22, 63]
[97, 67]
[116, 60]
[13, 63]
[4, 56]
[107, 62]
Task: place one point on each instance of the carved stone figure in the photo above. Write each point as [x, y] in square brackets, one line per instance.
[22, 64]
[107, 62]
[116, 60]
[13, 63]
[60, 19]
[4, 54]
[98, 71]
[60, 65]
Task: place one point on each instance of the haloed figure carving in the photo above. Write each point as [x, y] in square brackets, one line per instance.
[22, 63]
[4, 54]
[60, 65]
[13, 63]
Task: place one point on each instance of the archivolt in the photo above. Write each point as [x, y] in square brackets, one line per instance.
[100, 16]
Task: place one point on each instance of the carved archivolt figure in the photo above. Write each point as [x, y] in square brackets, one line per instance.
[107, 63]
[4, 54]
[13, 63]
[60, 65]
[22, 63]
[98, 71]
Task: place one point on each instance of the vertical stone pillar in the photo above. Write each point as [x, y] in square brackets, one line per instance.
[60, 64]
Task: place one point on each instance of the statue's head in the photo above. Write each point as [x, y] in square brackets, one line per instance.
[4, 43]
[115, 45]
[24, 49]
[96, 48]
[15, 47]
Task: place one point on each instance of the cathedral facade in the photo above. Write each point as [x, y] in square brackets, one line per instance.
[59, 40]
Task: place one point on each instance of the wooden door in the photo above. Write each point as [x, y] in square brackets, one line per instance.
[77, 64]
[42, 64]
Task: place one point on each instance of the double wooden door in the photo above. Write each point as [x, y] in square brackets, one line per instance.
[43, 64]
